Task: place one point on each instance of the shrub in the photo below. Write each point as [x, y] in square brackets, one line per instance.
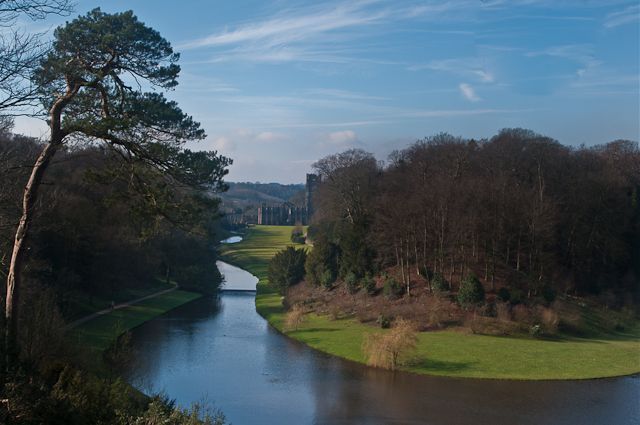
[503, 312]
[389, 349]
[322, 257]
[294, 318]
[535, 331]
[550, 320]
[286, 268]
[548, 293]
[351, 280]
[383, 321]
[438, 311]
[522, 314]
[327, 278]
[471, 291]
[503, 294]
[516, 296]
[439, 284]
[297, 235]
[369, 284]
[392, 289]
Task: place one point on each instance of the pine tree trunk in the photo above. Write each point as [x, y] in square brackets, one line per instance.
[14, 276]
[12, 300]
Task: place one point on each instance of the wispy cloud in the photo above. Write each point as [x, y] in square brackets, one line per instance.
[342, 94]
[342, 137]
[313, 33]
[295, 27]
[627, 15]
[448, 113]
[468, 92]
[579, 53]
[460, 66]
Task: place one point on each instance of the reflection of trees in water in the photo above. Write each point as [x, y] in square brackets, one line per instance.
[302, 382]
[346, 392]
[152, 340]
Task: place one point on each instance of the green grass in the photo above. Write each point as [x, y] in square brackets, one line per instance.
[444, 353]
[81, 304]
[97, 334]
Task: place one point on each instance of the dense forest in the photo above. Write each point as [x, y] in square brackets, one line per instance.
[518, 217]
[95, 235]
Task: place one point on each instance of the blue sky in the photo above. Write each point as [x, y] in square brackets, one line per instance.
[278, 85]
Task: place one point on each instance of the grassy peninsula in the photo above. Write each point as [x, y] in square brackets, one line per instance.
[444, 353]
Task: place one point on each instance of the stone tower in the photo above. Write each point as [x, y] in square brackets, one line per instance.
[312, 183]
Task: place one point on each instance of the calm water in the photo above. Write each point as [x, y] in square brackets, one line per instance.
[232, 239]
[221, 350]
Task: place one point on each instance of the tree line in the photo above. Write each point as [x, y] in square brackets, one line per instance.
[518, 211]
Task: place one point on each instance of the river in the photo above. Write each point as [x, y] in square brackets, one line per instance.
[221, 351]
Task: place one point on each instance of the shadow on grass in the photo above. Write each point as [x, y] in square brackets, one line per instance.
[429, 365]
[312, 330]
[269, 310]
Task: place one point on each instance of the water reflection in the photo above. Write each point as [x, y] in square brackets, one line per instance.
[223, 350]
[232, 239]
[236, 279]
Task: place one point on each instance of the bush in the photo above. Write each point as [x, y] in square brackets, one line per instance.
[438, 311]
[439, 284]
[383, 321]
[351, 280]
[516, 296]
[548, 293]
[297, 235]
[535, 331]
[286, 268]
[471, 292]
[322, 257]
[388, 350]
[550, 320]
[392, 289]
[503, 312]
[327, 278]
[504, 295]
[369, 284]
[294, 318]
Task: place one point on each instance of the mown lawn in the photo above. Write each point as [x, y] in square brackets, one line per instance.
[445, 353]
[97, 334]
[81, 304]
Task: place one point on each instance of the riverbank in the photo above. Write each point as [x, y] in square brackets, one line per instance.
[443, 353]
[98, 333]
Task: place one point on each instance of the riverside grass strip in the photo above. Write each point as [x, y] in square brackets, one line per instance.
[443, 353]
[97, 334]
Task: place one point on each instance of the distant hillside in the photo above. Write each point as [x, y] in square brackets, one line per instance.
[244, 194]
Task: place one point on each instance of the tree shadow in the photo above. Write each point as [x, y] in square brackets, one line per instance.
[430, 365]
[312, 330]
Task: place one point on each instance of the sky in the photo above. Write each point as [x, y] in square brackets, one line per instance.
[278, 85]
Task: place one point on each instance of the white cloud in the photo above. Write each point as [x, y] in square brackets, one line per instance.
[468, 92]
[224, 145]
[344, 137]
[627, 15]
[269, 136]
[317, 33]
[291, 28]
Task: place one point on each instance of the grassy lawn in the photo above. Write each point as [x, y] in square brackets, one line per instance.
[445, 353]
[97, 334]
[81, 304]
